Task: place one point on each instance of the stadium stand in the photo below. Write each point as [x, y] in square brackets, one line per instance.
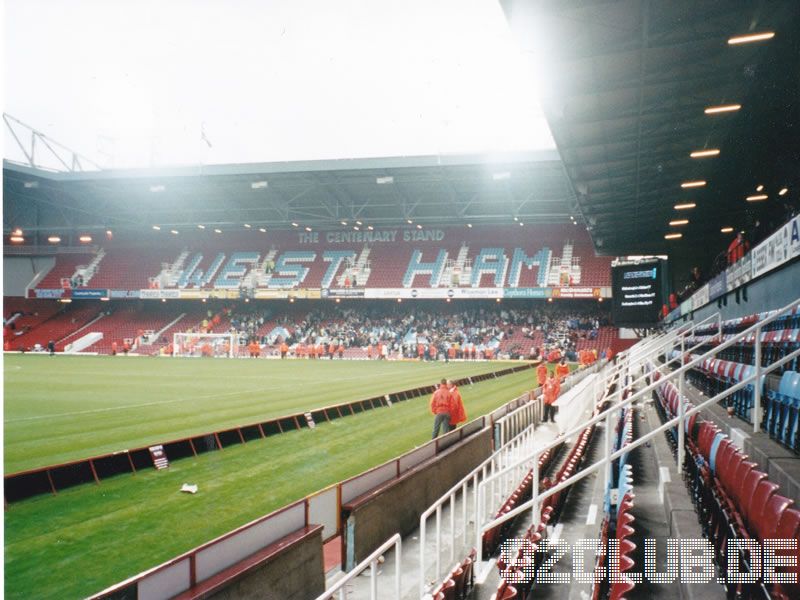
[56, 326]
[61, 275]
[22, 316]
[691, 432]
[126, 268]
[512, 330]
[536, 257]
[737, 362]
[132, 324]
[734, 498]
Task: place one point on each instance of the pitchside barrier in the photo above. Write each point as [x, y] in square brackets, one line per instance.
[52, 478]
[299, 529]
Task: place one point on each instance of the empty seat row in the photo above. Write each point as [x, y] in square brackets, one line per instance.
[625, 528]
[734, 498]
[790, 320]
[529, 560]
[569, 467]
[459, 582]
[782, 412]
[781, 406]
[521, 568]
[492, 538]
[618, 522]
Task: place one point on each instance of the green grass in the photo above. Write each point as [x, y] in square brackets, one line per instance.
[64, 408]
[90, 537]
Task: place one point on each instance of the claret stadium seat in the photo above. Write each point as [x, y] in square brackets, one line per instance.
[765, 520]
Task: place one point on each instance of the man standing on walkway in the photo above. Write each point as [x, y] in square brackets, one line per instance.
[551, 389]
[440, 408]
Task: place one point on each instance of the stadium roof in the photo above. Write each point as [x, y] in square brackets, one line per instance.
[629, 82]
[387, 191]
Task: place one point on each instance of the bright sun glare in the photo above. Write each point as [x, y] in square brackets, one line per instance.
[133, 83]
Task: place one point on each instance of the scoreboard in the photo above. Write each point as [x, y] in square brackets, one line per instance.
[637, 293]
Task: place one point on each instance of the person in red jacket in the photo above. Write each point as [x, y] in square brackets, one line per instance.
[551, 389]
[340, 351]
[440, 409]
[737, 248]
[562, 369]
[458, 413]
[541, 373]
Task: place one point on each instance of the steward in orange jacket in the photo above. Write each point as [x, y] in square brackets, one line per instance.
[551, 389]
[562, 369]
[284, 349]
[440, 408]
[457, 412]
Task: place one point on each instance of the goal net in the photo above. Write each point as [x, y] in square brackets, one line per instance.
[205, 344]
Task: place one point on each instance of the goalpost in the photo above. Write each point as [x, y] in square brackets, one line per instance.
[224, 345]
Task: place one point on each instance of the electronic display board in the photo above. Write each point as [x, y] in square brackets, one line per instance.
[637, 294]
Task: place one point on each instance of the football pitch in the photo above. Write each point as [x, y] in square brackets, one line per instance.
[91, 536]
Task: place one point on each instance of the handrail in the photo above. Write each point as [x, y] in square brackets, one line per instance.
[631, 446]
[728, 267]
[691, 364]
[759, 372]
[372, 562]
[537, 453]
[510, 446]
[669, 361]
[517, 464]
[693, 327]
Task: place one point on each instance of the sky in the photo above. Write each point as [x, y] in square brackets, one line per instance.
[136, 83]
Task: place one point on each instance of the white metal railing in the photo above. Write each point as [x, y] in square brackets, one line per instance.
[370, 562]
[506, 468]
[519, 445]
[515, 452]
[524, 464]
[620, 371]
[664, 346]
[518, 419]
[508, 426]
